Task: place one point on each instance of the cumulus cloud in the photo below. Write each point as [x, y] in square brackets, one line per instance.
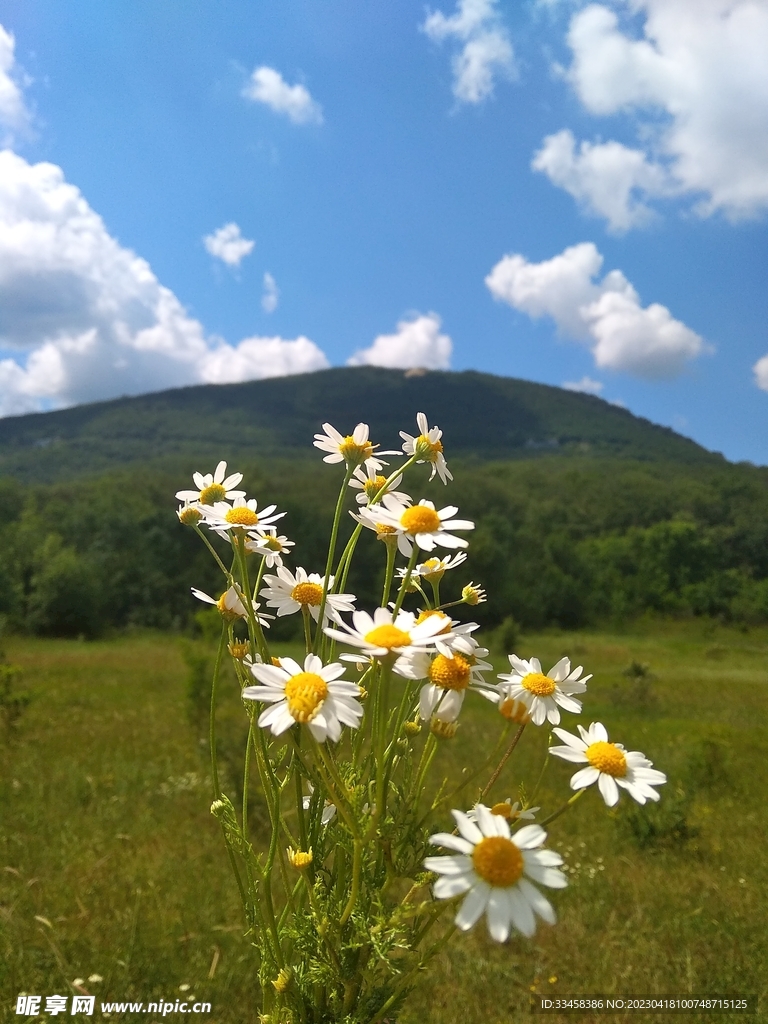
[228, 244]
[14, 116]
[607, 179]
[486, 52]
[696, 80]
[586, 386]
[417, 343]
[82, 318]
[270, 295]
[606, 314]
[269, 87]
[760, 370]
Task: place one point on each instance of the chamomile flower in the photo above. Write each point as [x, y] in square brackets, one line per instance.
[269, 546]
[368, 483]
[428, 446]
[510, 811]
[313, 695]
[386, 635]
[230, 605]
[609, 765]
[329, 809]
[490, 865]
[213, 487]
[355, 449]
[433, 569]
[421, 524]
[543, 693]
[449, 677]
[189, 515]
[241, 514]
[290, 593]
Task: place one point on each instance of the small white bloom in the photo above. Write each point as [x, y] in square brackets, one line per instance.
[290, 593]
[354, 449]
[609, 765]
[541, 693]
[368, 483]
[433, 569]
[450, 675]
[241, 514]
[385, 635]
[231, 606]
[421, 524]
[213, 487]
[313, 695]
[428, 446]
[490, 865]
[329, 809]
[269, 545]
[510, 811]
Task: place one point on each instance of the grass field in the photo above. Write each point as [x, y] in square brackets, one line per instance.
[110, 863]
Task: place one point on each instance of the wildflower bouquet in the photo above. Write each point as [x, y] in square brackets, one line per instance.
[345, 901]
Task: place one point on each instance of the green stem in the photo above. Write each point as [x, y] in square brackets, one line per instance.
[246, 780]
[254, 627]
[389, 572]
[505, 757]
[307, 628]
[406, 579]
[212, 550]
[561, 810]
[319, 635]
[356, 871]
[212, 719]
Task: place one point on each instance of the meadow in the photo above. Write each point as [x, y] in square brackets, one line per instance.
[111, 865]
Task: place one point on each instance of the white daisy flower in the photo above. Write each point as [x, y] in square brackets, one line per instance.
[231, 606]
[510, 811]
[189, 515]
[435, 568]
[420, 523]
[609, 765]
[382, 635]
[368, 483]
[213, 487]
[428, 446]
[329, 809]
[543, 693]
[313, 695]
[450, 676]
[354, 449]
[289, 593]
[240, 514]
[490, 865]
[269, 545]
[473, 594]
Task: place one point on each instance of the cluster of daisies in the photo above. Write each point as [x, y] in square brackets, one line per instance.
[494, 858]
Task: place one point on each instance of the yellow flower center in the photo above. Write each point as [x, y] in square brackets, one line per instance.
[427, 449]
[307, 593]
[238, 649]
[384, 530]
[515, 711]
[428, 613]
[355, 453]
[435, 570]
[305, 694]
[190, 516]
[273, 544]
[450, 673]
[372, 487]
[504, 810]
[240, 515]
[539, 685]
[607, 758]
[211, 493]
[420, 519]
[387, 636]
[498, 861]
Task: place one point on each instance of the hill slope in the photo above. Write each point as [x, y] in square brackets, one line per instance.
[481, 415]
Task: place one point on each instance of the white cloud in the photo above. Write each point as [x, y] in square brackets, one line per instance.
[417, 343]
[271, 294]
[698, 78]
[760, 370]
[228, 244]
[586, 386]
[605, 315]
[87, 319]
[14, 115]
[487, 52]
[269, 87]
[607, 178]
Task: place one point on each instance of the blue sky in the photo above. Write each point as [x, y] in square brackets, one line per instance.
[565, 192]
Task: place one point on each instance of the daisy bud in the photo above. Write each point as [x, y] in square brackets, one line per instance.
[514, 711]
[283, 980]
[441, 729]
[238, 650]
[472, 594]
[298, 859]
[189, 516]
[412, 728]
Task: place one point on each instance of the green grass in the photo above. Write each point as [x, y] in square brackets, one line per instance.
[111, 864]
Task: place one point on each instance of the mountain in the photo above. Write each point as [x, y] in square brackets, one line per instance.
[482, 416]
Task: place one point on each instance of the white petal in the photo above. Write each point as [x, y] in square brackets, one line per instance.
[608, 789]
[499, 914]
[473, 906]
[466, 827]
[537, 901]
[585, 777]
[529, 837]
[452, 885]
[521, 913]
[452, 842]
[457, 865]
